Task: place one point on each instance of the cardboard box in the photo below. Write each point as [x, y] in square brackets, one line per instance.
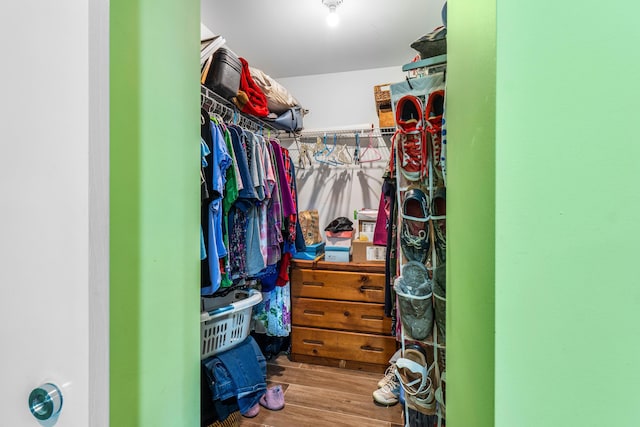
[337, 256]
[386, 119]
[367, 222]
[368, 252]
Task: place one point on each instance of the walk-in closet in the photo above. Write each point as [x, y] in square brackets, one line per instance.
[323, 213]
[386, 216]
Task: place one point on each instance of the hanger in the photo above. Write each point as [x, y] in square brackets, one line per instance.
[343, 155]
[339, 153]
[373, 149]
[321, 154]
[303, 153]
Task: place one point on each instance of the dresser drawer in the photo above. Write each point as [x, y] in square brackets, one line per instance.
[342, 345]
[337, 285]
[353, 316]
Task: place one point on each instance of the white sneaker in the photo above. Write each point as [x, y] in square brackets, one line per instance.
[390, 374]
[387, 395]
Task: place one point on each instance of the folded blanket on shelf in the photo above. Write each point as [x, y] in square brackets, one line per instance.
[250, 98]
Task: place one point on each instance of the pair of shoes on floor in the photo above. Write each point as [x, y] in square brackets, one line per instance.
[388, 388]
[414, 375]
[414, 289]
[272, 399]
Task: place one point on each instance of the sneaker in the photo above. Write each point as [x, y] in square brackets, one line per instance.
[414, 291]
[409, 114]
[440, 301]
[439, 210]
[414, 279]
[433, 118]
[411, 155]
[414, 232]
[389, 375]
[387, 395]
[409, 140]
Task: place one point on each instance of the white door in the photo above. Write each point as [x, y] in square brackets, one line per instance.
[54, 209]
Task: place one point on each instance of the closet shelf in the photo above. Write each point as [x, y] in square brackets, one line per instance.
[215, 104]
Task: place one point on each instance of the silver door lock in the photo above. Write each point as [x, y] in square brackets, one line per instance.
[45, 401]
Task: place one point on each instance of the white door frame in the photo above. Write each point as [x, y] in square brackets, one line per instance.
[99, 11]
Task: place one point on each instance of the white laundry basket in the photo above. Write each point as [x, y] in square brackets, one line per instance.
[227, 323]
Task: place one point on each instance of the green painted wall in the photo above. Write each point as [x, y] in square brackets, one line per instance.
[567, 214]
[470, 113]
[155, 199]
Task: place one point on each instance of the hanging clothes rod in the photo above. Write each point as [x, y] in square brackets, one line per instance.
[215, 104]
[364, 131]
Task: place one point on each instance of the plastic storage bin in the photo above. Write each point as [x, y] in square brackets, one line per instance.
[227, 322]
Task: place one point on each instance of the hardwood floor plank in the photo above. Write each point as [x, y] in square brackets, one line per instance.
[300, 416]
[284, 361]
[340, 381]
[342, 402]
[323, 396]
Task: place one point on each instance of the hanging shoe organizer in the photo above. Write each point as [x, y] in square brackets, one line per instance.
[418, 165]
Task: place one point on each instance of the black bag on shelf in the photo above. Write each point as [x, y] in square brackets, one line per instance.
[223, 76]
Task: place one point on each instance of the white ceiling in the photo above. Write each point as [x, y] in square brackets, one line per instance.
[287, 38]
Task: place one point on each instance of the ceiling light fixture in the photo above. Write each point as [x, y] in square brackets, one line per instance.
[332, 17]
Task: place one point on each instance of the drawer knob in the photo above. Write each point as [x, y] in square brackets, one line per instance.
[364, 278]
[347, 314]
[370, 348]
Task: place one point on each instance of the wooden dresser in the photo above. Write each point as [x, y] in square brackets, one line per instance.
[338, 315]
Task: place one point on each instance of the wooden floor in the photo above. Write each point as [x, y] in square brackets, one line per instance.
[322, 396]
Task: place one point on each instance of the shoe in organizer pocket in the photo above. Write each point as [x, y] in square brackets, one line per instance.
[439, 211]
[440, 301]
[433, 125]
[414, 375]
[409, 113]
[414, 290]
[409, 140]
[414, 233]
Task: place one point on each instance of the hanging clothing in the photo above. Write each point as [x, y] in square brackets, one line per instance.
[238, 218]
[273, 313]
[255, 260]
[274, 215]
[216, 248]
